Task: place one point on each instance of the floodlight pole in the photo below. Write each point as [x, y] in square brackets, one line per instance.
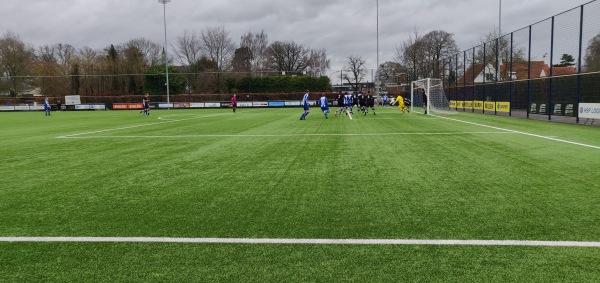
[164, 2]
[377, 70]
[500, 19]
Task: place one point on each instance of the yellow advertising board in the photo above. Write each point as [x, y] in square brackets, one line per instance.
[489, 106]
[468, 104]
[478, 105]
[452, 103]
[503, 107]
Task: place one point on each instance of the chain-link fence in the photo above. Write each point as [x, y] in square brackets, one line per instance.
[543, 71]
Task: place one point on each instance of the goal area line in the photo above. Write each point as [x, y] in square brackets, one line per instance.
[396, 242]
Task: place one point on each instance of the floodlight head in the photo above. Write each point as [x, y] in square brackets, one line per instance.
[164, 2]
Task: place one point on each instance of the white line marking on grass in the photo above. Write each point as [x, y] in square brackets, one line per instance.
[139, 126]
[399, 118]
[519, 132]
[285, 135]
[304, 241]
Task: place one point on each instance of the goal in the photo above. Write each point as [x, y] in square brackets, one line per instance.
[436, 100]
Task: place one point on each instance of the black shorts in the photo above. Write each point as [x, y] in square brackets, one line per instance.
[234, 105]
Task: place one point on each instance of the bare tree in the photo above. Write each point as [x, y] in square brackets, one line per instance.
[288, 57]
[65, 54]
[90, 65]
[218, 46]
[500, 47]
[411, 55]
[389, 72]
[149, 50]
[592, 55]
[318, 64]
[426, 56]
[356, 68]
[189, 48]
[16, 59]
[46, 67]
[438, 44]
[255, 45]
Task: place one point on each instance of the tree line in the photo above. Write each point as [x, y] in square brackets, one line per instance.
[204, 61]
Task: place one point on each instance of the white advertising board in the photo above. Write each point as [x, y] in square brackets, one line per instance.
[244, 104]
[260, 104]
[293, 103]
[82, 107]
[72, 100]
[212, 105]
[98, 106]
[589, 110]
[196, 105]
[7, 108]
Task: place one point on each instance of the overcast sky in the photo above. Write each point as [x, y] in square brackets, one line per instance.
[342, 28]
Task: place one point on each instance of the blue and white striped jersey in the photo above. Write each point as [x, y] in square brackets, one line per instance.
[305, 100]
[323, 102]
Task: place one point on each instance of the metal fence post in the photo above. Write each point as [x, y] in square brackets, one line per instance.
[484, 75]
[510, 91]
[550, 107]
[497, 75]
[579, 64]
[464, 78]
[473, 86]
[529, 75]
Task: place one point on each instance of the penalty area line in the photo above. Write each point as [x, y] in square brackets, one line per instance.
[302, 241]
[137, 126]
[519, 132]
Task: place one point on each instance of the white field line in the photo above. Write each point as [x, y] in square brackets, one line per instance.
[139, 126]
[303, 241]
[519, 132]
[284, 135]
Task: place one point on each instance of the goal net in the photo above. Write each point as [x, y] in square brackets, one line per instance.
[429, 94]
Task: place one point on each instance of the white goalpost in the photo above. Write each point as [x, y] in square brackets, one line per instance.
[429, 94]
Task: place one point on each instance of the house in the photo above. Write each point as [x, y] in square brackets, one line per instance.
[539, 69]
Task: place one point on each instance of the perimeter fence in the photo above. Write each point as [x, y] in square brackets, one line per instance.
[547, 70]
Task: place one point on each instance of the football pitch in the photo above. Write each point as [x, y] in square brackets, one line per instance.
[255, 196]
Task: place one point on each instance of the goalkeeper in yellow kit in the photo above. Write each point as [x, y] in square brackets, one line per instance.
[401, 104]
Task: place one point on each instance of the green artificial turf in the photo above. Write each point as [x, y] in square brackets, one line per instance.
[263, 173]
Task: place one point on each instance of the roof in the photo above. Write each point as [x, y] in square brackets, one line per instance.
[468, 77]
[539, 69]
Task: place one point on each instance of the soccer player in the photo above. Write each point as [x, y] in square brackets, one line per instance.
[407, 103]
[371, 102]
[355, 100]
[324, 105]
[47, 107]
[143, 111]
[305, 105]
[424, 101]
[234, 102]
[341, 103]
[348, 103]
[147, 105]
[401, 105]
[360, 98]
